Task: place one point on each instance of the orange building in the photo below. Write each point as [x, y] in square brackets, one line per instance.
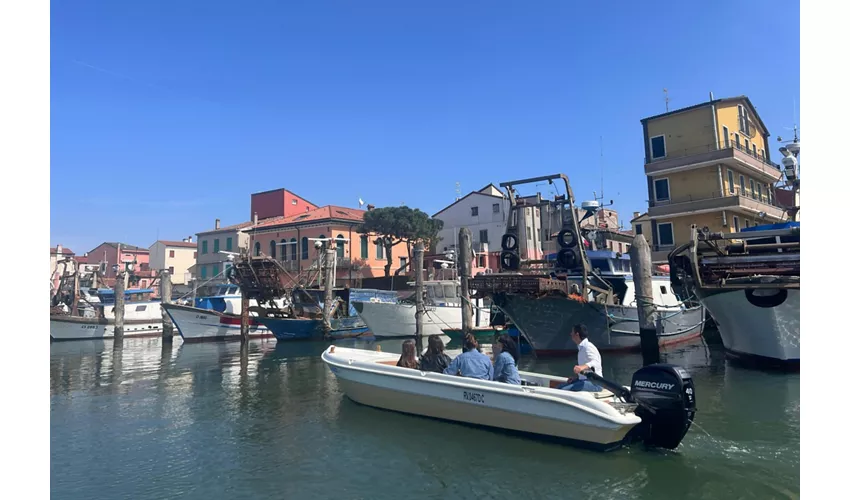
[291, 239]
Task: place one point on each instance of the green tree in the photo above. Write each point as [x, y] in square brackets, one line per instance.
[396, 225]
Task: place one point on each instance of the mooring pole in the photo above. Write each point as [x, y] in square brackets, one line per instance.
[118, 309]
[245, 319]
[465, 261]
[165, 298]
[330, 253]
[419, 263]
[639, 253]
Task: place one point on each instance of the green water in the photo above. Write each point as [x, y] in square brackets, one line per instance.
[212, 421]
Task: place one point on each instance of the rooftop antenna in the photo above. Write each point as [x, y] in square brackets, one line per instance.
[666, 101]
[457, 191]
[601, 171]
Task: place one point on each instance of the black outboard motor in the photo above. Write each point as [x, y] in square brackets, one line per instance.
[666, 403]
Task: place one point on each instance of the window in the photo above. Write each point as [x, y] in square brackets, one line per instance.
[746, 222]
[171, 270]
[496, 208]
[742, 186]
[735, 224]
[142, 308]
[305, 248]
[257, 249]
[228, 244]
[744, 120]
[364, 246]
[475, 211]
[662, 190]
[763, 157]
[294, 244]
[665, 234]
[769, 196]
[482, 260]
[747, 145]
[215, 270]
[638, 229]
[658, 147]
[759, 191]
[752, 188]
[283, 252]
[528, 234]
[402, 263]
[204, 246]
[272, 249]
[195, 255]
[730, 175]
[340, 247]
[379, 249]
[203, 272]
[737, 141]
[663, 290]
[482, 236]
[171, 253]
[725, 137]
[216, 247]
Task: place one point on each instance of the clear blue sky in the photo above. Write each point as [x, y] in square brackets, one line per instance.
[167, 114]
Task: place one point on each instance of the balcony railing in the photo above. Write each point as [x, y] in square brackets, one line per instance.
[712, 203]
[708, 148]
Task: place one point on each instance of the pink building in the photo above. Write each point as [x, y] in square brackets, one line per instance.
[288, 239]
[278, 203]
[107, 254]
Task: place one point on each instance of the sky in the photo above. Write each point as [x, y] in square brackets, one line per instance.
[166, 115]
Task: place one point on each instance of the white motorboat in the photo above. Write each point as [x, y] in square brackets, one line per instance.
[658, 408]
[442, 310]
[142, 317]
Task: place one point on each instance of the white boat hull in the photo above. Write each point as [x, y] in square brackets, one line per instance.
[575, 416]
[198, 325]
[387, 320]
[62, 329]
[768, 333]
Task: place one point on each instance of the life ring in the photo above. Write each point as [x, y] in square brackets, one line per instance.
[766, 301]
[566, 259]
[573, 239]
[509, 242]
[509, 261]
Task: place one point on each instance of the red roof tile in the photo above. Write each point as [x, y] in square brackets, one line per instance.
[183, 244]
[322, 213]
[65, 251]
[82, 259]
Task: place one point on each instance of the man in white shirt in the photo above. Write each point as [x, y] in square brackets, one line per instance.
[588, 359]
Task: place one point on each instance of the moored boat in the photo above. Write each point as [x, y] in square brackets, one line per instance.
[658, 408]
[198, 325]
[142, 317]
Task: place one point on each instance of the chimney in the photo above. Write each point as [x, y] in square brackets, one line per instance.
[370, 207]
[190, 239]
[59, 249]
[636, 215]
[255, 218]
[218, 224]
[711, 96]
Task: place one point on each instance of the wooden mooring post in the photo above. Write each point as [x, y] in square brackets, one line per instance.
[119, 307]
[245, 319]
[419, 265]
[465, 266]
[165, 298]
[639, 253]
[330, 254]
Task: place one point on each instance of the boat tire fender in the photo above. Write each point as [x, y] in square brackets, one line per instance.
[566, 259]
[767, 301]
[509, 242]
[562, 238]
[509, 260]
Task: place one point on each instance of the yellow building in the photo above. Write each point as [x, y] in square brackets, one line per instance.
[708, 165]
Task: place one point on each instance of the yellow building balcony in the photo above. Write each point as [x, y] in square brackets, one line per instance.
[737, 202]
[703, 156]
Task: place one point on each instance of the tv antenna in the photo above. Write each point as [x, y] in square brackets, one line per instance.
[457, 191]
[666, 101]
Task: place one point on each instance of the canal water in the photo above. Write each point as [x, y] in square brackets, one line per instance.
[216, 421]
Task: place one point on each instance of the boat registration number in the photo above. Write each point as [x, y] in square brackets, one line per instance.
[474, 397]
[200, 316]
[88, 327]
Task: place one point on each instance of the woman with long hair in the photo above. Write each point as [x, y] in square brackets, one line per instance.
[505, 353]
[471, 363]
[435, 359]
[408, 355]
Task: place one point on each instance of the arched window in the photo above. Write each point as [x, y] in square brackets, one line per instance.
[294, 245]
[305, 248]
[272, 249]
[340, 247]
[257, 249]
[283, 246]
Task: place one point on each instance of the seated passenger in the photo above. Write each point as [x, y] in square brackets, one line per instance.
[408, 355]
[435, 359]
[588, 359]
[472, 363]
[505, 353]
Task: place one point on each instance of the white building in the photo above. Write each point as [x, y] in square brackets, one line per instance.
[176, 256]
[485, 213]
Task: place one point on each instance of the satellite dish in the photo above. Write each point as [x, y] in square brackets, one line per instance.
[590, 206]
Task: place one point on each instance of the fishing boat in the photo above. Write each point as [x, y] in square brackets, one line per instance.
[398, 319]
[749, 281]
[545, 298]
[197, 324]
[657, 408]
[142, 317]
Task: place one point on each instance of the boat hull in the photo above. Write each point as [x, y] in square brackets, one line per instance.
[768, 335]
[386, 320]
[288, 329]
[481, 403]
[547, 322]
[203, 325]
[76, 328]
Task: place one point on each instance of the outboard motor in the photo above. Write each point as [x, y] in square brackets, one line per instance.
[666, 403]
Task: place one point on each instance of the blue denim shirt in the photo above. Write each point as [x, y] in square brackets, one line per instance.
[505, 369]
[473, 364]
